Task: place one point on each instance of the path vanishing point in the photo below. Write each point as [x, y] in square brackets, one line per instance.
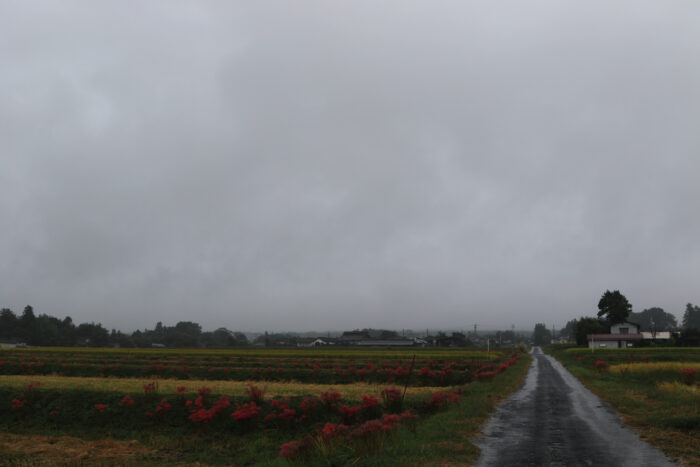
[553, 420]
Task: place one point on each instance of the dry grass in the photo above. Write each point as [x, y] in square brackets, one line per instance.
[652, 367]
[231, 388]
[54, 450]
[675, 387]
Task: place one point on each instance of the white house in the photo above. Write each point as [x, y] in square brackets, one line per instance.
[658, 335]
[314, 342]
[621, 335]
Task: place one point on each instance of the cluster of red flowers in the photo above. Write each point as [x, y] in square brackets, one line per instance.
[331, 397]
[349, 412]
[330, 431]
[126, 401]
[440, 399]
[308, 404]
[290, 450]
[18, 403]
[332, 370]
[201, 414]
[247, 412]
[601, 365]
[370, 429]
[101, 407]
[164, 406]
[369, 402]
[688, 375]
[489, 371]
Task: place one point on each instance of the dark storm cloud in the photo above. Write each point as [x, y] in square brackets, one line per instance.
[339, 165]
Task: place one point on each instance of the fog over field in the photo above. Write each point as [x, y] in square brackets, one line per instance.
[337, 165]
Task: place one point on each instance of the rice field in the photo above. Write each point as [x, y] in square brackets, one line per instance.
[265, 407]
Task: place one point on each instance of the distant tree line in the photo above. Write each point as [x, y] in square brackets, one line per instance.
[45, 330]
[614, 308]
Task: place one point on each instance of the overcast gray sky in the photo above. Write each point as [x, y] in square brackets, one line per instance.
[336, 165]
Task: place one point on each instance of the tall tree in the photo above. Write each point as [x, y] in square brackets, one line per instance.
[542, 335]
[28, 326]
[569, 330]
[614, 307]
[587, 325]
[691, 317]
[654, 319]
[8, 323]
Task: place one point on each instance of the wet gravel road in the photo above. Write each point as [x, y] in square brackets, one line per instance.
[553, 420]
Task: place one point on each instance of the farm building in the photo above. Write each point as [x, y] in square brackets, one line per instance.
[622, 335]
[386, 342]
[314, 341]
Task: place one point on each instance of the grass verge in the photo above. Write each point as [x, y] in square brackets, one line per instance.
[649, 396]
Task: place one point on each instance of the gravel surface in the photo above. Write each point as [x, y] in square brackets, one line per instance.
[553, 420]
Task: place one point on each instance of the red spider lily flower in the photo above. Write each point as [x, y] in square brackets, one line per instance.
[290, 450]
[328, 430]
[390, 421]
[349, 412]
[127, 401]
[369, 402]
[180, 390]
[280, 404]
[331, 397]
[18, 404]
[308, 403]
[203, 392]
[439, 399]
[367, 428]
[331, 431]
[688, 375]
[201, 415]
[287, 414]
[247, 412]
[101, 407]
